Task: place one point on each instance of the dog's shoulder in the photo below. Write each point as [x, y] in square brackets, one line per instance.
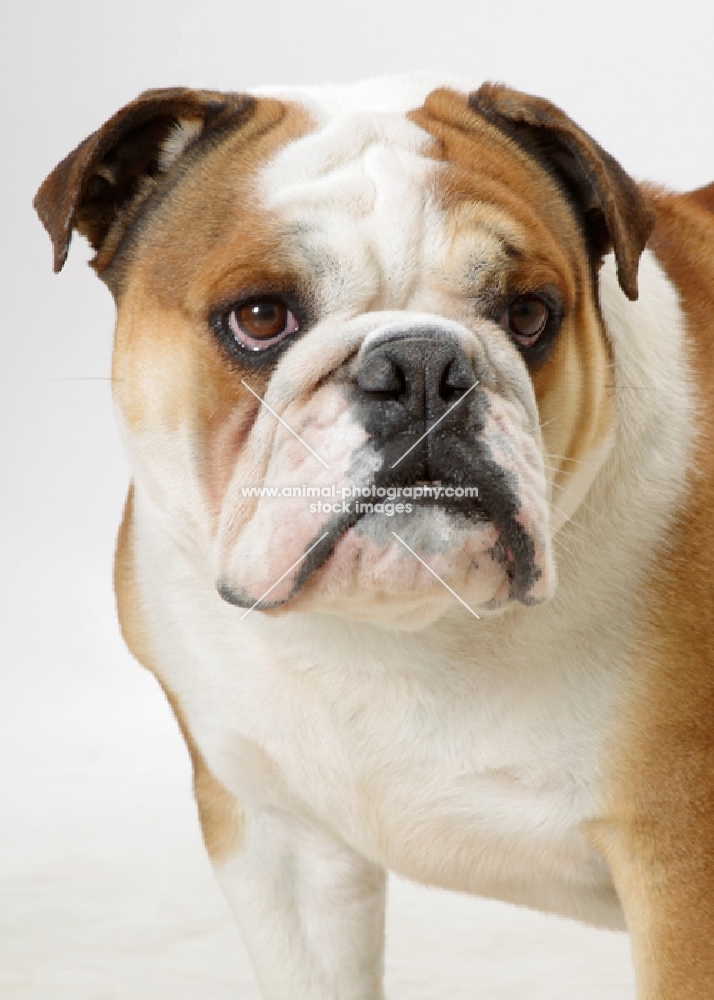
[703, 197]
[683, 242]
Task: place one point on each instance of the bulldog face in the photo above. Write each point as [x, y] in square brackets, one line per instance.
[359, 359]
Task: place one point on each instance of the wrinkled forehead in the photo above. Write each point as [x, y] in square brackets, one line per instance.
[398, 176]
[356, 193]
[355, 187]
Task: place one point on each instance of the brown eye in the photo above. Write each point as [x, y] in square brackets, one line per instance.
[261, 323]
[525, 319]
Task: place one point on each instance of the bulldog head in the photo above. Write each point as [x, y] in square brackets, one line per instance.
[359, 358]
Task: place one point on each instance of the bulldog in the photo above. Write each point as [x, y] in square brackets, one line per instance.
[417, 389]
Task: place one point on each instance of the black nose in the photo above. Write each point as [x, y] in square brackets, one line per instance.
[422, 373]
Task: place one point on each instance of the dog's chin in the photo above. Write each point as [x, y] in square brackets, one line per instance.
[406, 571]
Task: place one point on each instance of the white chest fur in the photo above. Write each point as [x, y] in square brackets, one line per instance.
[465, 756]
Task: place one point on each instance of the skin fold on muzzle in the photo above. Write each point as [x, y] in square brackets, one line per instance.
[423, 401]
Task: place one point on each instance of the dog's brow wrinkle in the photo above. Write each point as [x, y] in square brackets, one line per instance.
[357, 192]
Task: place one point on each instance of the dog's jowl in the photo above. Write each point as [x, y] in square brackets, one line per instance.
[417, 391]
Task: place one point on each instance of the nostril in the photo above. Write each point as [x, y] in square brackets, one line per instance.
[380, 374]
[456, 378]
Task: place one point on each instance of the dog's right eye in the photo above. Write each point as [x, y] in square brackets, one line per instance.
[261, 323]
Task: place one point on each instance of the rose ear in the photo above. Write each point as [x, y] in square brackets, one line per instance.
[121, 163]
[615, 212]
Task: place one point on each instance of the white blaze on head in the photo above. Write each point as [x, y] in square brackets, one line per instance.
[354, 197]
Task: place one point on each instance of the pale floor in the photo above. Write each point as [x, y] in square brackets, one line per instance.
[105, 890]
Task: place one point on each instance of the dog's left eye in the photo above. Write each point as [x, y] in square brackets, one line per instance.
[525, 319]
[261, 323]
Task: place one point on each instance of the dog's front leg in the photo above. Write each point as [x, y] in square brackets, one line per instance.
[664, 875]
[311, 910]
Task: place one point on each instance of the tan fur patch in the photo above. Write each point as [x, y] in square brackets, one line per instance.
[218, 810]
[658, 834]
[209, 245]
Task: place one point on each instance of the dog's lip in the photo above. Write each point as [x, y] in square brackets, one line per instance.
[515, 553]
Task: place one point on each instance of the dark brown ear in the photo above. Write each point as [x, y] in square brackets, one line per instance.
[617, 216]
[107, 172]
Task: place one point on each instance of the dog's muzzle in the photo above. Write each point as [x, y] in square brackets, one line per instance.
[427, 413]
[419, 397]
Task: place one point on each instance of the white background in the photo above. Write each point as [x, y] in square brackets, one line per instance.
[104, 888]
